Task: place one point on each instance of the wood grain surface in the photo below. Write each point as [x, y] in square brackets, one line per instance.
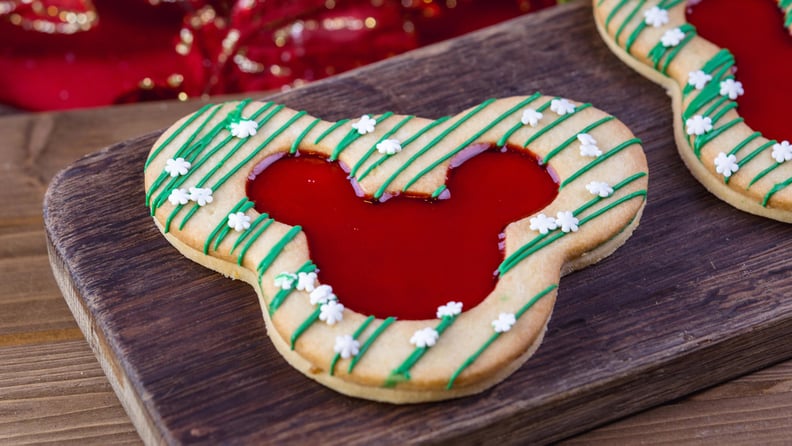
[53, 391]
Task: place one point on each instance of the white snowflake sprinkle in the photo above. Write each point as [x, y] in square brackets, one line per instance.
[238, 221]
[322, 294]
[332, 312]
[531, 117]
[346, 346]
[590, 150]
[389, 146]
[782, 151]
[201, 195]
[567, 221]
[698, 79]
[176, 167]
[244, 128]
[731, 88]
[585, 138]
[504, 322]
[449, 310]
[726, 165]
[306, 281]
[285, 281]
[364, 125]
[562, 106]
[179, 196]
[543, 223]
[698, 125]
[672, 37]
[600, 188]
[656, 17]
[425, 337]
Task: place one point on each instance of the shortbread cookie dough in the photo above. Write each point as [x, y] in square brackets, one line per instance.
[732, 160]
[196, 179]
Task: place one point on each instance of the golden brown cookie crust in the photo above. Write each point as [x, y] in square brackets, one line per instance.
[464, 359]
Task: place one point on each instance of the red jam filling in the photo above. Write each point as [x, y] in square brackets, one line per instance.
[406, 256]
[754, 32]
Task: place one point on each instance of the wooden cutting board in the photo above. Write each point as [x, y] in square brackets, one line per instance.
[700, 293]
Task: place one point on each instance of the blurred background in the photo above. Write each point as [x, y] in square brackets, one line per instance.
[63, 54]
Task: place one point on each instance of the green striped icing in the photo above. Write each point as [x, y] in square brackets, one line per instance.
[373, 148]
[777, 188]
[543, 240]
[223, 223]
[402, 372]
[276, 249]
[353, 135]
[572, 139]
[281, 295]
[305, 325]
[296, 144]
[466, 143]
[553, 124]
[355, 335]
[176, 133]
[378, 194]
[660, 52]
[598, 160]
[472, 358]
[369, 341]
[406, 142]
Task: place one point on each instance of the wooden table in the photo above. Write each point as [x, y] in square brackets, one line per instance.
[53, 390]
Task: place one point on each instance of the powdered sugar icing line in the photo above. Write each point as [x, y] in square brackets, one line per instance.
[730, 157]
[590, 166]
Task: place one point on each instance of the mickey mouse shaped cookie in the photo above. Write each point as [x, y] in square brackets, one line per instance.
[398, 258]
[731, 159]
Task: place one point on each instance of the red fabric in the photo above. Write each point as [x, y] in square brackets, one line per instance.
[59, 54]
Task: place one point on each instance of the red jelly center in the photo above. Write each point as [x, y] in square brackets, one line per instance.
[408, 255]
[754, 32]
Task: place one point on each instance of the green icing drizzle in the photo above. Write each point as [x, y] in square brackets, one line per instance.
[615, 11]
[558, 121]
[330, 130]
[176, 133]
[502, 141]
[267, 222]
[658, 52]
[537, 242]
[470, 360]
[762, 174]
[709, 136]
[227, 228]
[599, 160]
[722, 57]
[402, 372]
[266, 262]
[281, 295]
[369, 341]
[666, 4]
[250, 230]
[354, 336]
[352, 136]
[181, 153]
[439, 191]
[786, 6]
[304, 326]
[569, 141]
[406, 142]
[629, 18]
[428, 146]
[774, 190]
[178, 181]
[296, 144]
[467, 142]
[220, 225]
[373, 148]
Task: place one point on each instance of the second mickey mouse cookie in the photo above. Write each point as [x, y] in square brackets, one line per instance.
[735, 162]
[371, 242]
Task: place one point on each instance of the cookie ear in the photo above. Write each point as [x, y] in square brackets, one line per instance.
[196, 178]
[735, 162]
